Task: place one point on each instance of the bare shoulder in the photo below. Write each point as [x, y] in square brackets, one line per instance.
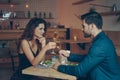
[24, 45]
[24, 42]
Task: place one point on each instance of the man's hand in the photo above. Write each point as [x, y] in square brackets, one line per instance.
[64, 53]
[55, 66]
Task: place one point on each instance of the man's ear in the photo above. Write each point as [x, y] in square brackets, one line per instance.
[92, 25]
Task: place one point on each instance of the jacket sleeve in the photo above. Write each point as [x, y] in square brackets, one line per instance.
[94, 57]
[75, 57]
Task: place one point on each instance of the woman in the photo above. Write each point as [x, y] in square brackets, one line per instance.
[32, 47]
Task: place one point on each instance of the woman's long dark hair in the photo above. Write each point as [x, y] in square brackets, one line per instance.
[28, 33]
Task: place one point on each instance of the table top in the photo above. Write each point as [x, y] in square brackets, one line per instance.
[47, 72]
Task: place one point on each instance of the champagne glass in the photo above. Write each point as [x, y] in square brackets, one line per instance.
[58, 47]
[56, 40]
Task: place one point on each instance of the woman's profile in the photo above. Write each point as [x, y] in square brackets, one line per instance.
[32, 47]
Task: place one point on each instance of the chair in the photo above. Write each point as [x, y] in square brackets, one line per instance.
[4, 52]
[13, 53]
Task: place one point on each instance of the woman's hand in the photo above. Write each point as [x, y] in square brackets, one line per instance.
[43, 41]
[50, 45]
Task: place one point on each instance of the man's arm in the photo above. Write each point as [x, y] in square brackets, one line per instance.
[95, 56]
[75, 57]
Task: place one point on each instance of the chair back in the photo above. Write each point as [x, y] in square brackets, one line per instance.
[4, 52]
[13, 48]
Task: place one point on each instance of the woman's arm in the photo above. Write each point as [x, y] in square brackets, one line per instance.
[36, 60]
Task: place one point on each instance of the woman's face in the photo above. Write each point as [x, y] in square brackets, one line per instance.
[39, 31]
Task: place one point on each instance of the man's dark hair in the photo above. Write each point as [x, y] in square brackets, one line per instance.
[93, 17]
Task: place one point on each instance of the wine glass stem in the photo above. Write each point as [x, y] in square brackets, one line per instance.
[53, 51]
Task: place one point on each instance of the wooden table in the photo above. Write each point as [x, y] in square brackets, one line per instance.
[47, 72]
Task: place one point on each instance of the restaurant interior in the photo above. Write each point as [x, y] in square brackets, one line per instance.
[62, 17]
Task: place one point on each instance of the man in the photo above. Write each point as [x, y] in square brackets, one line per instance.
[101, 62]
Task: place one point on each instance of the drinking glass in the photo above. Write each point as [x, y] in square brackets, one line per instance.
[63, 59]
[56, 40]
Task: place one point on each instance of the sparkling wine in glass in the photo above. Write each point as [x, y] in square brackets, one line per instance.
[55, 39]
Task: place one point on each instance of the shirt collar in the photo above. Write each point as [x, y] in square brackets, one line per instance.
[98, 36]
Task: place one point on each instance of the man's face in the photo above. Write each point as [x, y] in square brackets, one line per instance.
[86, 29]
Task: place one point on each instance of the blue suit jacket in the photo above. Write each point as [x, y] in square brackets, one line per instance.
[101, 62]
